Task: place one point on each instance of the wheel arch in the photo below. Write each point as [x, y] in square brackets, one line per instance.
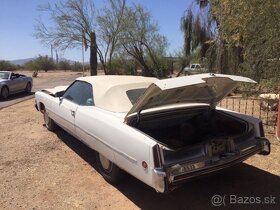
[42, 107]
[4, 86]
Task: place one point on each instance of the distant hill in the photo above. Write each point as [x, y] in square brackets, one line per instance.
[20, 61]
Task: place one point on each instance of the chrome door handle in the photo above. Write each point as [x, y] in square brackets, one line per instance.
[73, 113]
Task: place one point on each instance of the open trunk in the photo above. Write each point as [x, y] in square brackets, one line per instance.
[197, 141]
[184, 128]
[194, 138]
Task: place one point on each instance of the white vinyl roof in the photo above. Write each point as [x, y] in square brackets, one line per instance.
[109, 91]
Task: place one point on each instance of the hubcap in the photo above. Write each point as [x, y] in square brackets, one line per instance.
[5, 92]
[46, 119]
[28, 88]
[106, 164]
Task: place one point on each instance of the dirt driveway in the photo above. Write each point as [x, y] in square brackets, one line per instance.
[44, 170]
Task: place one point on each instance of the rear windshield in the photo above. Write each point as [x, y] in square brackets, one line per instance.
[134, 94]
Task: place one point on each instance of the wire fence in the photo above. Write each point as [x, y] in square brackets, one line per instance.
[256, 107]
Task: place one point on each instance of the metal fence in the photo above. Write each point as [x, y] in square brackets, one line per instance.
[254, 107]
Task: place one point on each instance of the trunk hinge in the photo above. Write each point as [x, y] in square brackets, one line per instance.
[138, 117]
[213, 96]
[213, 104]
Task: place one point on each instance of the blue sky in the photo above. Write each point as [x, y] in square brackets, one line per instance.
[18, 17]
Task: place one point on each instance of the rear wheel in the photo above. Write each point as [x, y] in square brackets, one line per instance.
[108, 169]
[4, 92]
[28, 88]
[50, 124]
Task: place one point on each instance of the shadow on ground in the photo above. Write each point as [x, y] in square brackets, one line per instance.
[17, 96]
[241, 187]
[14, 99]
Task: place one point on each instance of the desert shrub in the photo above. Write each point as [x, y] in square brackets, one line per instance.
[64, 65]
[7, 66]
[122, 66]
[77, 66]
[40, 63]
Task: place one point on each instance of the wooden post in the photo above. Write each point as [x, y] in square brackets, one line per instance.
[278, 117]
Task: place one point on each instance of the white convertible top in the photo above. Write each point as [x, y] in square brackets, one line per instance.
[109, 91]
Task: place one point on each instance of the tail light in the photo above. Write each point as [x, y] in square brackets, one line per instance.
[159, 175]
[157, 157]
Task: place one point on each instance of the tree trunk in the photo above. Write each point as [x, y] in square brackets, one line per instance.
[146, 70]
[93, 54]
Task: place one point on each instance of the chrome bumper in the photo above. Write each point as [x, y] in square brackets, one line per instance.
[164, 181]
[159, 180]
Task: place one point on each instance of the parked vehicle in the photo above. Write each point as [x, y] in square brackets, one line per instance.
[195, 68]
[11, 83]
[163, 132]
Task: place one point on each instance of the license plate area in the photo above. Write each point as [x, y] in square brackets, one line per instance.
[218, 147]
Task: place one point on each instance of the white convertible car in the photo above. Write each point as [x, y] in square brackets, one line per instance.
[163, 132]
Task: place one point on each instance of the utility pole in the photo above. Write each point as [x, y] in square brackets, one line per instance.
[56, 56]
[52, 51]
[83, 57]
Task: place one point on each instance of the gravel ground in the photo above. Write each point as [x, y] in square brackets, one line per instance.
[44, 170]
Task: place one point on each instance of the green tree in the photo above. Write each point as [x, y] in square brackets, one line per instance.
[73, 26]
[253, 28]
[141, 40]
[198, 31]
[110, 25]
[6, 66]
[186, 27]
[40, 63]
[77, 66]
[64, 65]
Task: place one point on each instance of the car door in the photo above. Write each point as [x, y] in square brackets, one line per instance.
[12, 83]
[22, 82]
[66, 108]
[83, 111]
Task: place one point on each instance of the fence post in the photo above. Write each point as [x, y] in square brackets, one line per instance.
[278, 117]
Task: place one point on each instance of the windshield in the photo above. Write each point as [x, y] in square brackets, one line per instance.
[4, 75]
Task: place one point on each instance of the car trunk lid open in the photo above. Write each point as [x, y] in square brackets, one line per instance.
[195, 137]
[202, 88]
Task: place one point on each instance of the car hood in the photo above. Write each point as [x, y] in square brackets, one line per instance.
[3, 80]
[201, 88]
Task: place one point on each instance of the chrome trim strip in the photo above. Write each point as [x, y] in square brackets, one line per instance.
[248, 148]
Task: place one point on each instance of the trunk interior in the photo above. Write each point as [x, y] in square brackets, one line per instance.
[183, 128]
